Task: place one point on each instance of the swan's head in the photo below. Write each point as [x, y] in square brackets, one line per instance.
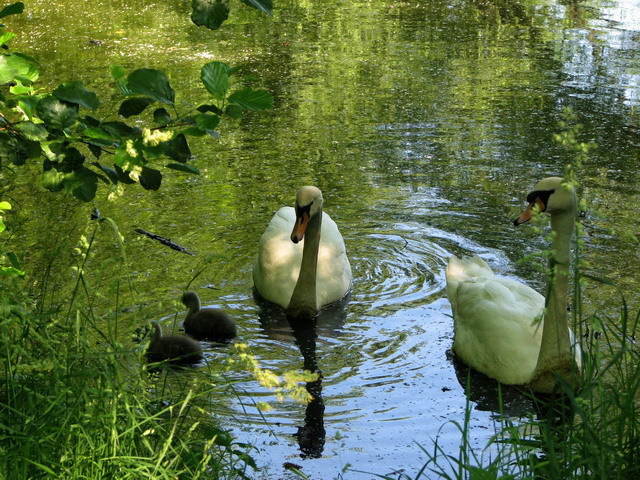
[308, 204]
[551, 195]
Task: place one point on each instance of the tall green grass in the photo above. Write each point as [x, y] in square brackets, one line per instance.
[78, 402]
[591, 433]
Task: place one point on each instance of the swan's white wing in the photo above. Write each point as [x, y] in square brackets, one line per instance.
[496, 322]
[334, 270]
[276, 270]
[463, 270]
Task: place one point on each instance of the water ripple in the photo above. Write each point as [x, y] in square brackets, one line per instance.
[398, 268]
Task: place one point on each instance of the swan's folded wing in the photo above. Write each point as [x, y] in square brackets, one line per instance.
[277, 266]
[334, 269]
[496, 330]
[462, 270]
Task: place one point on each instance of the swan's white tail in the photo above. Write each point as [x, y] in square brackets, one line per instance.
[463, 270]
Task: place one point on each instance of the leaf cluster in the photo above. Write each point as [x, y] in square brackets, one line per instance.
[79, 149]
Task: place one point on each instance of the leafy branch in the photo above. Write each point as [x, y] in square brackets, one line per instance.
[78, 150]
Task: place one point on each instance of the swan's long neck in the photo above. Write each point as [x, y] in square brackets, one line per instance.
[555, 349]
[303, 301]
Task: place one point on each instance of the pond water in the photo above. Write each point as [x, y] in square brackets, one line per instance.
[424, 123]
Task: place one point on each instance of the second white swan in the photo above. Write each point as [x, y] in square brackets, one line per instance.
[497, 327]
[302, 263]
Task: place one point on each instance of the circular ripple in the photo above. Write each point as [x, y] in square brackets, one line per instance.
[398, 268]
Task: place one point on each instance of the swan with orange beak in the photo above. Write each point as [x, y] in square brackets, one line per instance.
[507, 330]
[302, 263]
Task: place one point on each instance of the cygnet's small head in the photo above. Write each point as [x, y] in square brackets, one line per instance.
[190, 298]
[551, 195]
[308, 204]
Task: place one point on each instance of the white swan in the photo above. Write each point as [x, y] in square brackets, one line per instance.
[497, 328]
[302, 263]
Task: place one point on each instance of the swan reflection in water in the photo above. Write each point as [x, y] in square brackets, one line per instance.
[275, 323]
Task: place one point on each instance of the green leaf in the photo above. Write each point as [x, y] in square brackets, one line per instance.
[209, 13]
[194, 132]
[150, 178]
[33, 131]
[14, 66]
[19, 89]
[13, 259]
[53, 150]
[123, 177]
[4, 205]
[28, 58]
[10, 272]
[110, 172]
[119, 129]
[161, 116]
[124, 88]
[91, 121]
[234, 111]
[5, 37]
[95, 150]
[119, 75]
[29, 103]
[209, 109]
[52, 180]
[177, 148]
[73, 159]
[57, 114]
[251, 99]
[134, 106]
[183, 167]
[97, 133]
[17, 150]
[117, 72]
[151, 83]
[207, 122]
[82, 184]
[126, 161]
[215, 77]
[22, 150]
[265, 6]
[75, 92]
[13, 9]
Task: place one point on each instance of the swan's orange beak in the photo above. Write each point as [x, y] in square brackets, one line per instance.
[537, 205]
[302, 220]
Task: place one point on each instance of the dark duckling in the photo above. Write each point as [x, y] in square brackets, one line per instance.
[179, 349]
[207, 323]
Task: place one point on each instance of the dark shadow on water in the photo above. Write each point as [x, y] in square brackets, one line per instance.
[277, 325]
[484, 393]
[311, 435]
[555, 411]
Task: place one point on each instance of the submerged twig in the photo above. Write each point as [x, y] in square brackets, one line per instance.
[164, 241]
